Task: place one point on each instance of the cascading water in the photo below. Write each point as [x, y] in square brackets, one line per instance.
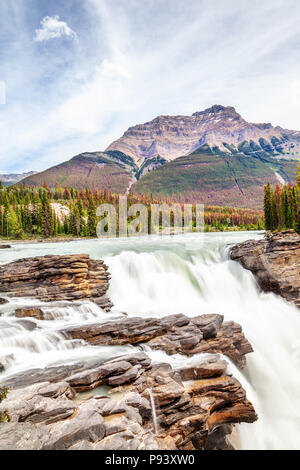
[188, 274]
[154, 416]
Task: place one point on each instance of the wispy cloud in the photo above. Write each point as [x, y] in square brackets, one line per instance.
[134, 60]
[53, 28]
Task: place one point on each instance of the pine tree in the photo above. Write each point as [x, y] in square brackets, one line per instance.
[92, 217]
[268, 205]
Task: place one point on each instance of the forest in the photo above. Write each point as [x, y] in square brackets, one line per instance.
[30, 212]
[281, 206]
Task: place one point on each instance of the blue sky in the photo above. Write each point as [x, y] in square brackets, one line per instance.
[79, 73]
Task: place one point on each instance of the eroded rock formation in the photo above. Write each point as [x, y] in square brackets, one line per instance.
[275, 262]
[197, 414]
[62, 407]
[51, 278]
[173, 334]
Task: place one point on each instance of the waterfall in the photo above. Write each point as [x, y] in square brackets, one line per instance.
[189, 274]
[154, 416]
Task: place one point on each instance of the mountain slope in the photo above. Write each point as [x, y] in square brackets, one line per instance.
[14, 178]
[214, 177]
[99, 170]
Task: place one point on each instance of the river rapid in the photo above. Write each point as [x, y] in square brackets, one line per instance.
[157, 276]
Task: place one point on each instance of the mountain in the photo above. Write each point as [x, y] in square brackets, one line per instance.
[95, 170]
[10, 179]
[171, 137]
[214, 156]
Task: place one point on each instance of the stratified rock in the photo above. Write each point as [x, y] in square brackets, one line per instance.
[87, 424]
[52, 278]
[173, 334]
[30, 312]
[83, 376]
[42, 403]
[197, 414]
[190, 413]
[117, 372]
[204, 370]
[275, 262]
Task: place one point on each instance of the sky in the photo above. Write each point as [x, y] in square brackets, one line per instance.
[75, 75]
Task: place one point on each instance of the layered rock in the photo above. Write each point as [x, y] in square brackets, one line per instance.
[171, 137]
[30, 312]
[197, 414]
[173, 334]
[275, 262]
[52, 278]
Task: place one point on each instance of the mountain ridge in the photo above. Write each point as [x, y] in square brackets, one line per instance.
[171, 137]
[160, 157]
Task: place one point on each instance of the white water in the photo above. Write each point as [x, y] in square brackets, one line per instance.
[154, 416]
[184, 274]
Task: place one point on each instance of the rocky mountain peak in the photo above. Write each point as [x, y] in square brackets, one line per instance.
[216, 109]
[171, 137]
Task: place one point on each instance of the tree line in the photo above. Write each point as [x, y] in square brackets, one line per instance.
[281, 206]
[29, 212]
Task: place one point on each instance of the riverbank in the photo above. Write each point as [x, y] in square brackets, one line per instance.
[65, 239]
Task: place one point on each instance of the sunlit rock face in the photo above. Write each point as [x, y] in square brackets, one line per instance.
[173, 136]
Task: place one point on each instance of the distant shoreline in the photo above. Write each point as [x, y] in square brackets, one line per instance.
[76, 239]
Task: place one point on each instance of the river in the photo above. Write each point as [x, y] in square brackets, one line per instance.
[157, 276]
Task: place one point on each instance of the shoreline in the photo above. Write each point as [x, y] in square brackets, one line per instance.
[26, 241]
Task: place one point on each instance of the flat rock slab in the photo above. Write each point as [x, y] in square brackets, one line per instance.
[274, 261]
[173, 334]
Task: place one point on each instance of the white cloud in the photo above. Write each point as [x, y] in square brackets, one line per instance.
[53, 28]
[135, 62]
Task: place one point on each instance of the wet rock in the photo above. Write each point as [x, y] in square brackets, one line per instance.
[81, 376]
[4, 247]
[3, 301]
[87, 424]
[42, 403]
[119, 371]
[206, 369]
[29, 325]
[30, 312]
[56, 278]
[197, 414]
[173, 334]
[274, 261]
